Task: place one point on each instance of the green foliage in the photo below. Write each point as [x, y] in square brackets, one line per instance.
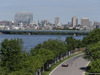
[33, 63]
[73, 43]
[45, 54]
[79, 44]
[15, 61]
[92, 52]
[12, 56]
[20, 73]
[49, 50]
[95, 66]
[56, 46]
[92, 37]
[11, 53]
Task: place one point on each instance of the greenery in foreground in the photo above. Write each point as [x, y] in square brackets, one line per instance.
[15, 61]
[92, 51]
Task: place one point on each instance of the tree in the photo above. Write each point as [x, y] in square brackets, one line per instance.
[20, 73]
[95, 66]
[11, 54]
[92, 51]
[50, 51]
[71, 43]
[56, 46]
[92, 37]
[45, 54]
[34, 63]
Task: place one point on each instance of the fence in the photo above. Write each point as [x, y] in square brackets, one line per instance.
[59, 58]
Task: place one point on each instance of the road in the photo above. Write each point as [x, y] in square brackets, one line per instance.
[76, 67]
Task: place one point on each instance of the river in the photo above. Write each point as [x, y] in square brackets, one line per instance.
[30, 41]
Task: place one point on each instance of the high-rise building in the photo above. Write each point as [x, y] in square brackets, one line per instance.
[96, 23]
[24, 17]
[74, 21]
[57, 21]
[85, 22]
[44, 23]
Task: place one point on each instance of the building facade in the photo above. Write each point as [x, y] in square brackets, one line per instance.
[24, 17]
[85, 22]
[57, 21]
[74, 21]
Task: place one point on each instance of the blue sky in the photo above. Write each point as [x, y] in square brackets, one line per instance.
[49, 9]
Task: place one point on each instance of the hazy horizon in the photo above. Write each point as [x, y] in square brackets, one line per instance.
[49, 9]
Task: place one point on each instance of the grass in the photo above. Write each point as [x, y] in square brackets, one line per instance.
[54, 66]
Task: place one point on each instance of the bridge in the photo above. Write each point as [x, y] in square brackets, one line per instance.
[45, 31]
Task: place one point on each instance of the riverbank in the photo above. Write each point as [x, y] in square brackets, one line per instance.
[45, 32]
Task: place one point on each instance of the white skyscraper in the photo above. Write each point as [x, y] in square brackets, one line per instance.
[57, 21]
[74, 21]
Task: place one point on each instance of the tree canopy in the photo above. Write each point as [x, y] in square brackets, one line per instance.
[11, 53]
[92, 52]
[56, 46]
[72, 43]
[15, 61]
[92, 37]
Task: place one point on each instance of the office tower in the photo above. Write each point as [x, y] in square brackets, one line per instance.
[96, 23]
[44, 23]
[24, 17]
[57, 21]
[85, 22]
[74, 21]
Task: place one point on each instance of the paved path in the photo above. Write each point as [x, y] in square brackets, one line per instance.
[76, 67]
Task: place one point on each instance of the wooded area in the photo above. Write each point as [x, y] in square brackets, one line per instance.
[16, 61]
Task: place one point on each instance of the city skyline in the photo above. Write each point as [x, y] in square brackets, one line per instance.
[64, 9]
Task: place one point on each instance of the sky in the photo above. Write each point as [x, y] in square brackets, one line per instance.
[49, 9]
